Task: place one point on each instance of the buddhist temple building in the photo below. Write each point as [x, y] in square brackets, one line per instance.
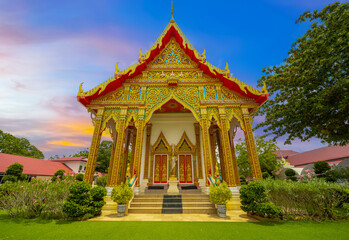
[176, 114]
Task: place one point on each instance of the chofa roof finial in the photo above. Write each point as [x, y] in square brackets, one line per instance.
[172, 20]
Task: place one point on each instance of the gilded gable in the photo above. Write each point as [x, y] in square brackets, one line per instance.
[172, 56]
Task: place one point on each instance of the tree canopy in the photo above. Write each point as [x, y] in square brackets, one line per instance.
[103, 157]
[266, 156]
[18, 146]
[310, 90]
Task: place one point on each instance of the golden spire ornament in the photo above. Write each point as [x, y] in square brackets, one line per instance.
[172, 20]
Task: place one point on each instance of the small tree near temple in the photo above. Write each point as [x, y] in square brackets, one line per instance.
[14, 173]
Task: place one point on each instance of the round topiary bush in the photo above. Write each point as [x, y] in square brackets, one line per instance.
[79, 177]
[290, 172]
[321, 167]
[265, 175]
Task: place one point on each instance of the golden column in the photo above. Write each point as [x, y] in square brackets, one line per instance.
[251, 146]
[198, 150]
[230, 171]
[96, 140]
[235, 161]
[116, 161]
[147, 151]
[206, 143]
[139, 145]
[111, 162]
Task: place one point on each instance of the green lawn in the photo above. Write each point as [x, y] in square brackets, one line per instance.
[42, 229]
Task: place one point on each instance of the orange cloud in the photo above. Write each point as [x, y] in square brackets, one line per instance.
[64, 143]
[84, 129]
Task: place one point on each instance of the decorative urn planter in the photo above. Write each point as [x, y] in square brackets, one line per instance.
[121, 210]
[222, 210]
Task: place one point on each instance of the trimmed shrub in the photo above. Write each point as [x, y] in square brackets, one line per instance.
[97, 194]
[268, 209]
[77, 204]
[220, 194]
[265, 175]
[122, 194]
[291, 174]
[60, 174]
[79, 177]
[321, 167]
[84, 202]
[251, 195]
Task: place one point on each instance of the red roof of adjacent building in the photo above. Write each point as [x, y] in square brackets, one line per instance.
[285, 153]
[66, 159]
[330, 154]
[31, 166]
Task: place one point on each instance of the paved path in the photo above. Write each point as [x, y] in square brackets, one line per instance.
[232, 216]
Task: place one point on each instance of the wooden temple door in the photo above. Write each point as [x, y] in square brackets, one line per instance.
[160, 168]
[185, 168]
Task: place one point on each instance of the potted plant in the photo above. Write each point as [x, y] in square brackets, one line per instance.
[220, 195]
[122, 195]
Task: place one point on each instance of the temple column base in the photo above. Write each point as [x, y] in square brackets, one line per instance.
[143, 185]
[109, 189]
[235, 190]
[172, 187]
[136, 190]
[204, 188]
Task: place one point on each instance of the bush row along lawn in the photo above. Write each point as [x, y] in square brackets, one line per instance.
[52, 229]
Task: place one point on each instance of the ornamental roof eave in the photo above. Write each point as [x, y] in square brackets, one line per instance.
[172, 30]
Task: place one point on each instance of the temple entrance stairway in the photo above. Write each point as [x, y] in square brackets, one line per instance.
[170, 204]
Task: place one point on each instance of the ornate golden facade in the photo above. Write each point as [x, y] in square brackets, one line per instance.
[172, 70]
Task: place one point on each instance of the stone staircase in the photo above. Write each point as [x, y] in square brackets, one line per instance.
[167, 204]
[157, 204]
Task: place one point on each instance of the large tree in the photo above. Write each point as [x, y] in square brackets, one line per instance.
[103, 157]
[266, 156]
[18, 146]
[310, 90]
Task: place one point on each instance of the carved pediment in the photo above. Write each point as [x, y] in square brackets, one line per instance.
[172, 56]
[161, 145]
[184, 145]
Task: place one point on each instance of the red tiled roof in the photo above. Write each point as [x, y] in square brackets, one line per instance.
[32, 166]
[285, 153]
[65, 159]
[322, 154]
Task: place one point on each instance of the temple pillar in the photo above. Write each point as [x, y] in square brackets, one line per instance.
[213, 147]
[147, 151]
[132, 161]
[111, 162]
[251, 146]
[221, 155]
[230, 171]
[96, 140]
[116, 163]
[206, 144]
[139, 145]
[235, 161]
[125, 156]
[198, 150]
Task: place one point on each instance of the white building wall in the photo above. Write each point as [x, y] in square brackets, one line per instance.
[172, 125]
[75, 165]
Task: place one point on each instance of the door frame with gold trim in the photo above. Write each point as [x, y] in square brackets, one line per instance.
[192, 168]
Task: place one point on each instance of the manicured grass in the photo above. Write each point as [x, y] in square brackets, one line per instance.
[47, 229]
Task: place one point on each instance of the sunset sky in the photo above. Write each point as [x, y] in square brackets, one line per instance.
[47, 48]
